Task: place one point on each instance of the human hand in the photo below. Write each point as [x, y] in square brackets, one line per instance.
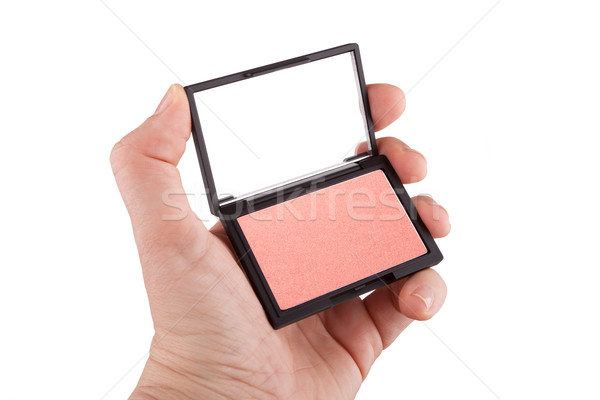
[212, 338]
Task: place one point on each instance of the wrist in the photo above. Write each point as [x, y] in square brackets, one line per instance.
[162, 381]
[166, 376]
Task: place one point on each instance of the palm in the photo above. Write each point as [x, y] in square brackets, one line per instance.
[211, 334]
[218, 306]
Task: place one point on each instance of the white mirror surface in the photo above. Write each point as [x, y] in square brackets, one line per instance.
[274, 128]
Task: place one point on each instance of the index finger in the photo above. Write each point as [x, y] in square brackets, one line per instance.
[387, 104]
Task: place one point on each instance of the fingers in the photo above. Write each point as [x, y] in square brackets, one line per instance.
[217, 229]
[387, 104]
[144, 164]
[384, 309]
[410, 165]
[164, 134]
[419, 296]
[365, 328]
[350, 325]
[433, 215]
[392, 308]
[422, 295]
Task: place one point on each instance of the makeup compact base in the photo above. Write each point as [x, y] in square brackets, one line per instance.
[328, 239]
[308, 243]
[320, 242]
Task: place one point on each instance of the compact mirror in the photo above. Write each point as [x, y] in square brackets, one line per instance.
[265, 127]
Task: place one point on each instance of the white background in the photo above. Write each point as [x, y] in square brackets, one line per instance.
[505, 108]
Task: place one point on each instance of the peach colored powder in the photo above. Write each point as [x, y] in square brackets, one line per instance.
[322, 241]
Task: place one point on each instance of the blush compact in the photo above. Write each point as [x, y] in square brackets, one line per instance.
[312, 223]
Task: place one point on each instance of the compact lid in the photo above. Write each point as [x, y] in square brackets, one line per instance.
[265, 127]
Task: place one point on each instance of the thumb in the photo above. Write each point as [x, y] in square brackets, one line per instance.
[144, 163]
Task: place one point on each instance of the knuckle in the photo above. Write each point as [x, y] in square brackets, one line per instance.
[119, 155]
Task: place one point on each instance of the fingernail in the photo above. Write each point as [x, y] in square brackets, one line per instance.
[428, 199]
[166, 100]
[437, 210]
[446, 211]
[425, 295]
[416, 151]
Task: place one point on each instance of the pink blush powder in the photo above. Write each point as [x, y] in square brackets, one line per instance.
[330, 238]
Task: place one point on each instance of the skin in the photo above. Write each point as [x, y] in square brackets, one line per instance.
[212, 339]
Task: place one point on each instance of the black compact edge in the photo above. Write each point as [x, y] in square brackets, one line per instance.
[229, 211]
[199, 142]
[278, 317]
